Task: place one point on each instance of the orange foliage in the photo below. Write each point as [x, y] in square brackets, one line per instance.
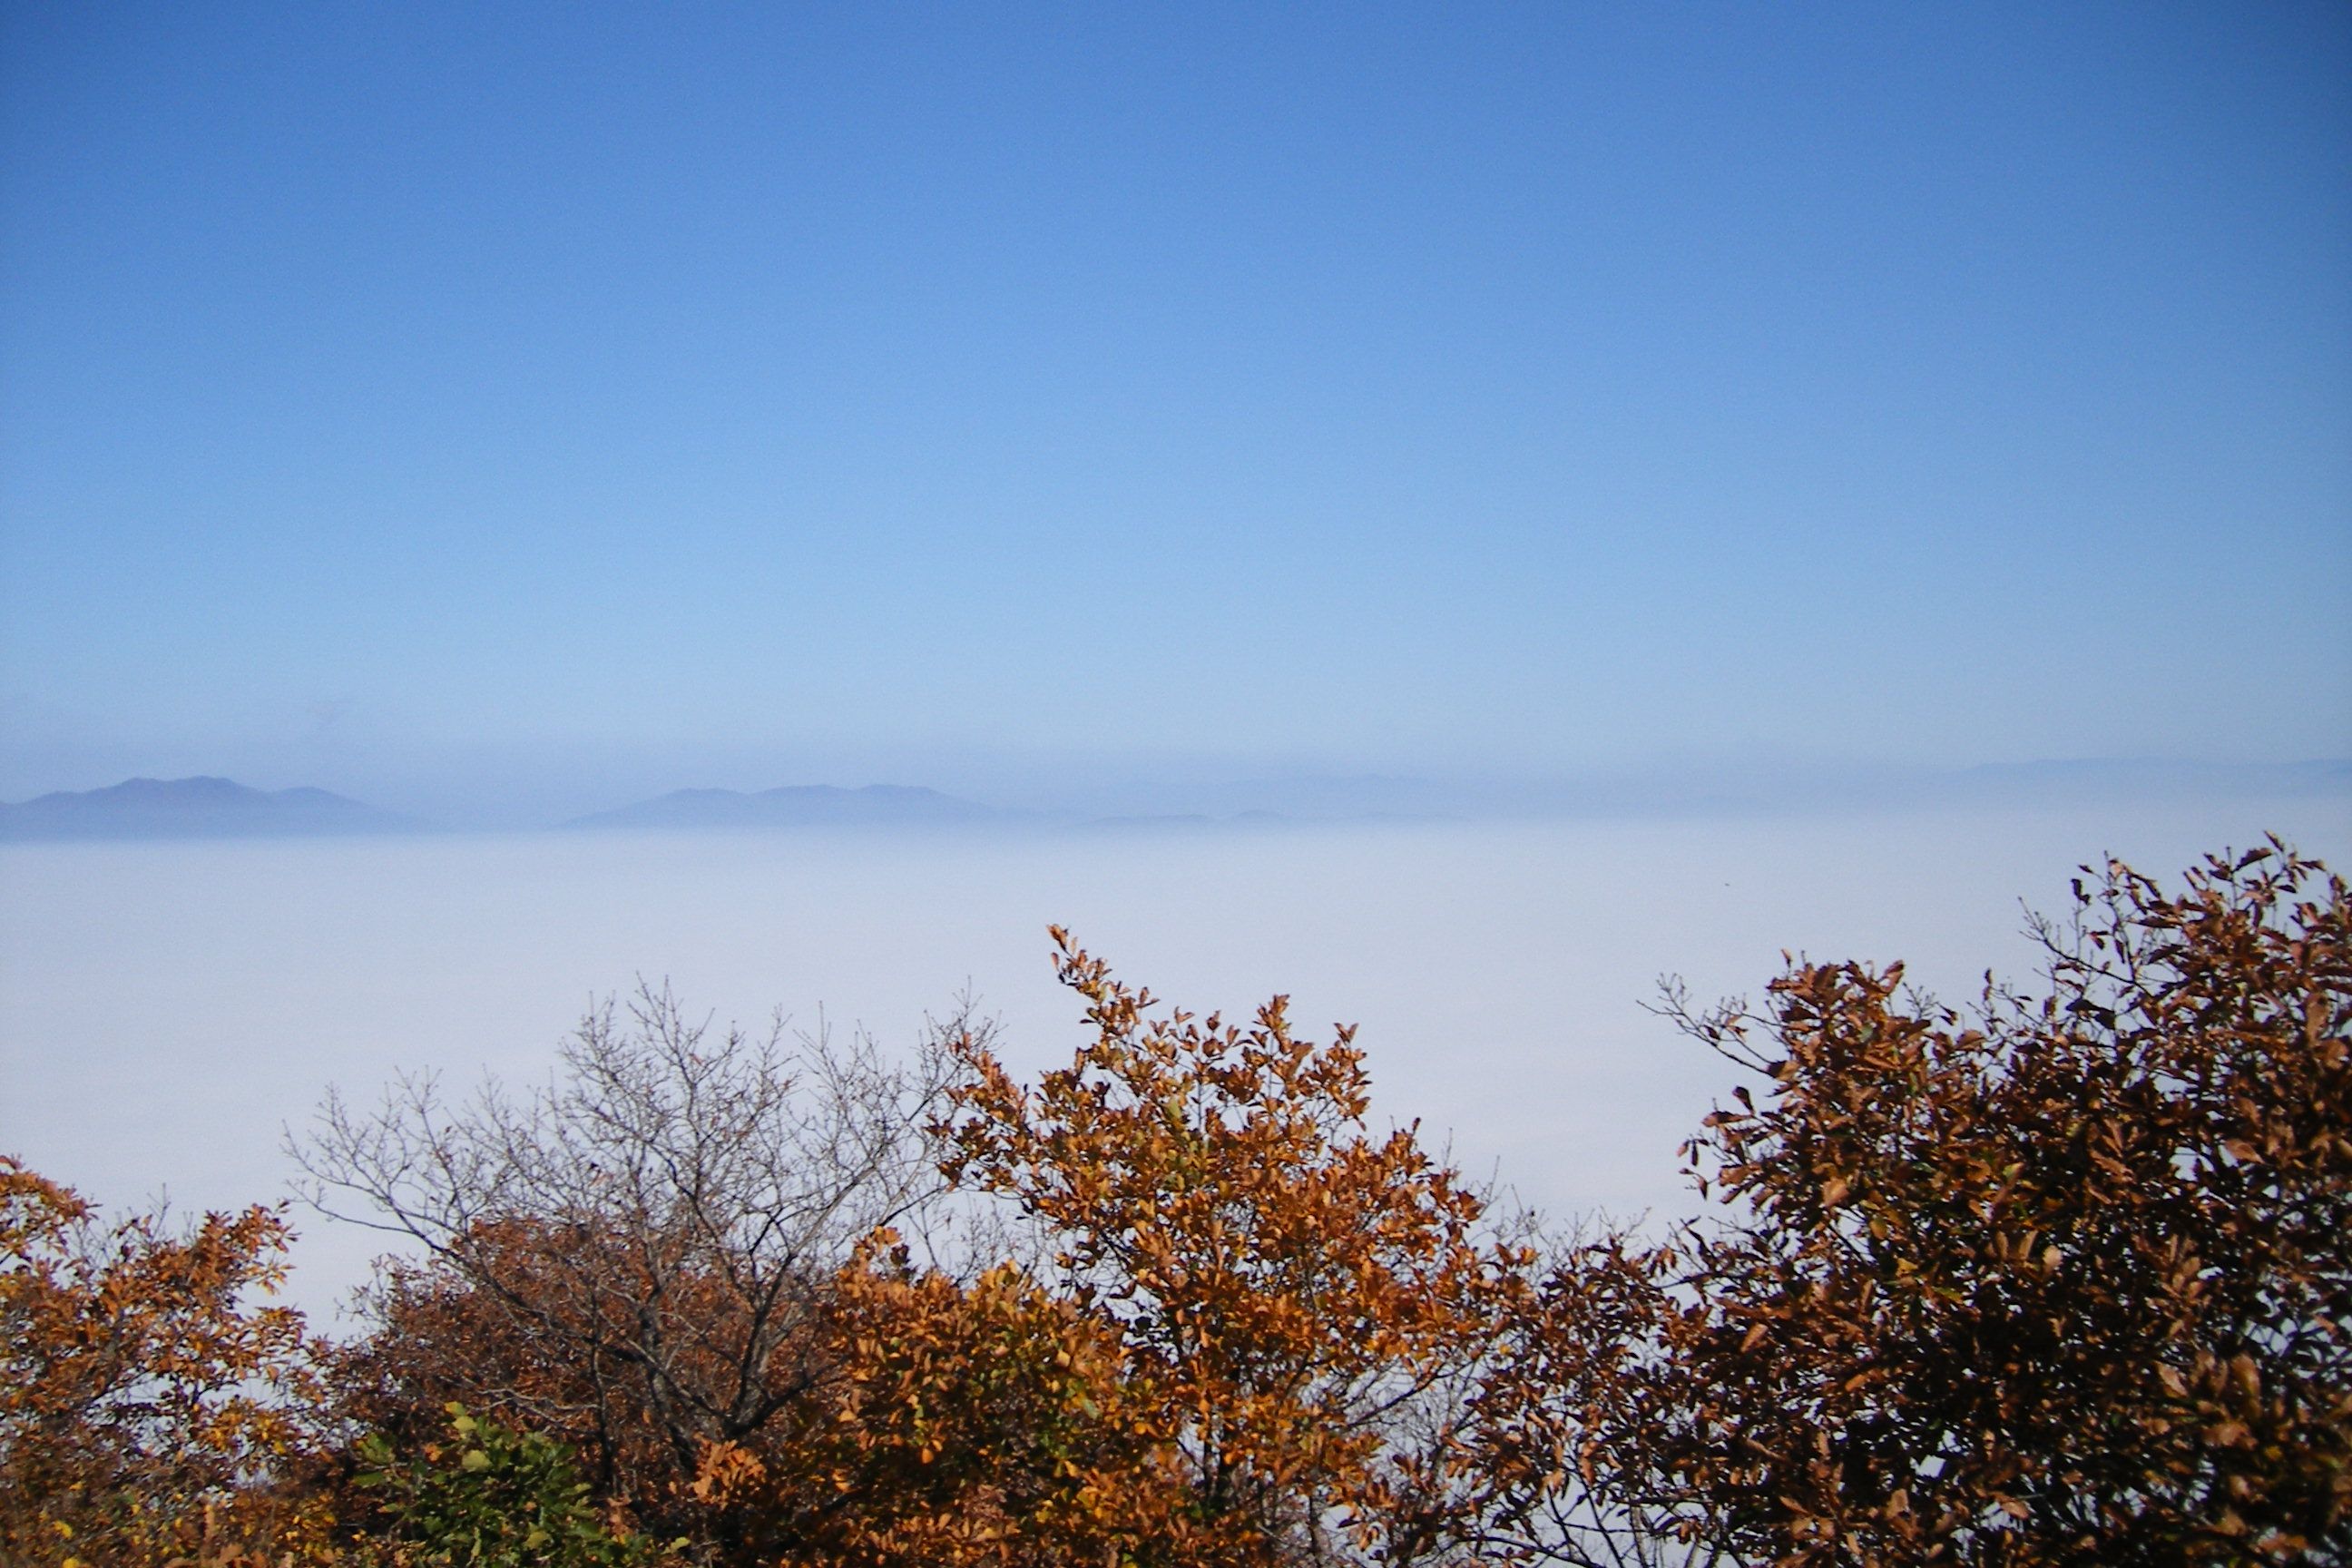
[516, 1335]
[634, 1256]
[2068, 1282]
[147, 1411]
[978, 1424]
[1298, 1305]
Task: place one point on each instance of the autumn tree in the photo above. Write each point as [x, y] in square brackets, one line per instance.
[1299, 1304]
[2066, 1280]
[1573, 1415]
[634, 1257]
[973, 1424]
[153, 1405]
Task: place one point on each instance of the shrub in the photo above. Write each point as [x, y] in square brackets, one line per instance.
[2067, 1280]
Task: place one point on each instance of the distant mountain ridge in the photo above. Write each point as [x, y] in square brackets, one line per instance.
[213, 807]
[799, 805]
[200, 807]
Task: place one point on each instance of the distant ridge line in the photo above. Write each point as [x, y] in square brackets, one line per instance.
[209, 807]
[202, 806]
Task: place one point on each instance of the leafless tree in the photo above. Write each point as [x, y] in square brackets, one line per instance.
[634, 1253]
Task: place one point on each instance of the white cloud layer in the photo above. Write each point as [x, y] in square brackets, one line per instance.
[165, 1008]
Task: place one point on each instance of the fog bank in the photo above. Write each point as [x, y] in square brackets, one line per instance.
[165, 1008]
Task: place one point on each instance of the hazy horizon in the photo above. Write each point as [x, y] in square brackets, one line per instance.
[1334, 795]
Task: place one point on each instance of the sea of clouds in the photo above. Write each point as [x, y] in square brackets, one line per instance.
[166, 1010]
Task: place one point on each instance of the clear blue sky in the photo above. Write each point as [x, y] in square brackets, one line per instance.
[430, 401]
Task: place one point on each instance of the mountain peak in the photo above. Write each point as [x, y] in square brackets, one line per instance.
[201, 806]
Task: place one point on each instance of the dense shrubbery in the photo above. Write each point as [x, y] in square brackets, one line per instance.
[2063, 1278]
[490, 1497]
[148, 1410]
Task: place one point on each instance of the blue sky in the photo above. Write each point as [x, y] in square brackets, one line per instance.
[445, 402]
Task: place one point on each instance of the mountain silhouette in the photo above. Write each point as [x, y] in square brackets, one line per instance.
[199, 808]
